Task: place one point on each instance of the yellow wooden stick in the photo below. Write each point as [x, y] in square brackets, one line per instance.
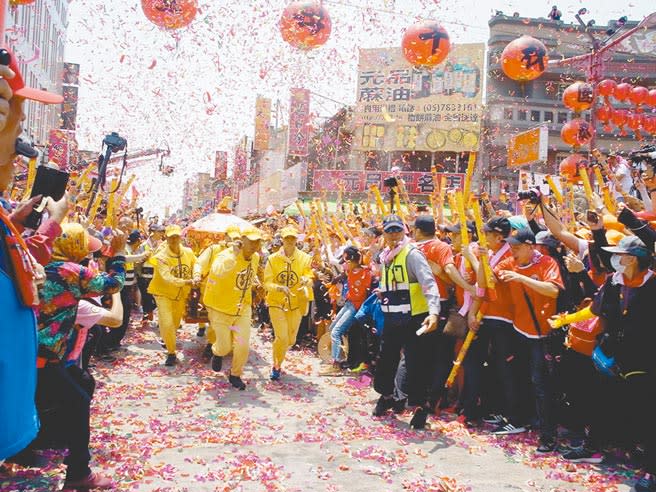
[609, 202]
[94, 207]
[31, 174]
[471, 164]
[379, 200]
[461, 356]
[583, 173]
[482, 241]
[337, 228]
[554, 189]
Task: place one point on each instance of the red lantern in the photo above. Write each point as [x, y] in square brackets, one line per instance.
[604, 114]
[622, 91]
[619, 118]
[524, 59]
[305, 24]
[426, 44]
[569, 167]
[578, 96]
[170, 14]
[639, 95]
[606, 87]
[634, 121]
[651, 98]
[577, 132]
[649, 124]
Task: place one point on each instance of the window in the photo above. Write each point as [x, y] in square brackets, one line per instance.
[507, 113]
[535, 116]
[548, 117]
[562, 117]
[522, 115]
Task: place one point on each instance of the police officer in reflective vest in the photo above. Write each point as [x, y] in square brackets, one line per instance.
[410, 302]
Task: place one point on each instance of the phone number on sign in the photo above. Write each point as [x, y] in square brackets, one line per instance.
[436, 108]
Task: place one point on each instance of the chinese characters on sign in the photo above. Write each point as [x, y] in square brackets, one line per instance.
[427, 105]
[528, 147]
[360, 181]
[262, 120]
[299, 120]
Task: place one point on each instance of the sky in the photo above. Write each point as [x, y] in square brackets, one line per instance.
[194, 89]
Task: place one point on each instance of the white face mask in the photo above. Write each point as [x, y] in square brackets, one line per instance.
[617, 266]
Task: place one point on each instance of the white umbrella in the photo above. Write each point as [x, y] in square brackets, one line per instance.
[217, 223]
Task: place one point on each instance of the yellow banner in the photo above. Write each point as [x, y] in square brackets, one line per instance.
[400, 107]
[262, 122]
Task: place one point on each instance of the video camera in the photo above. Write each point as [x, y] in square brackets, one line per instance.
[115, 142]
[533, 195]
[639, 158]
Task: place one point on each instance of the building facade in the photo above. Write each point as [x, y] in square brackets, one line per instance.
[36, 34]
[513, 107]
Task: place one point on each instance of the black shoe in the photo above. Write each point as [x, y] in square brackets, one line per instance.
[547, 446]
[171, 360]
[217, 362]
[207, 351]
[200, 333]
[382, 406]
[583, 455]
[236, 382]
[107, 358]
[399, 406]
[419, 419]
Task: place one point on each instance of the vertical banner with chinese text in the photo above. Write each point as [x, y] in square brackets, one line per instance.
[299, 122]
[262, 121]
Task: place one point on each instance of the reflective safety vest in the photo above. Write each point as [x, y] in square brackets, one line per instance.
[399, 295]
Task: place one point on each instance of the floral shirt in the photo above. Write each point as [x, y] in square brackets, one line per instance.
[66, 283]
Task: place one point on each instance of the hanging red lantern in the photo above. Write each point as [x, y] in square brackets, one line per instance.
[524, 59]
[570, 165]
[638, 95]
[170, 14]
[426, 44]
[619, 118]
[603, 114]
[578, 96]
[606, 87]
[651, 98]
[649, 124]
[622, 91]
[305, 24]
[577, 132]
[634, 122]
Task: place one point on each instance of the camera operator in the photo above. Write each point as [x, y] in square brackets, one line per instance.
[644, 163]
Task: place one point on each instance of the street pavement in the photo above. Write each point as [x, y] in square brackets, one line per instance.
[161, 429]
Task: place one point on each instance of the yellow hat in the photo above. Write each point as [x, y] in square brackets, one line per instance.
[173, 230]
[613, 237]
[288, 231]
[252, 233]
[233, 232]
[74, 243]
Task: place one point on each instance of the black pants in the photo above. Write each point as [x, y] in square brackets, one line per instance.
[66, 393]
[400, 334]
[147, 300]
[504, 340]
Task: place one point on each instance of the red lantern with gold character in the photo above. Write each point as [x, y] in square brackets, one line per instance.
[578, 96]
[305, 24]
[426, 44]
[577, 132]
[524, 59]
[170, 14]
[570, 165]
[622, 91]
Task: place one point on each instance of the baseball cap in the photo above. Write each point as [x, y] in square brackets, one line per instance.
[393, 223]
[522, 236]
[251, 233]
[17, 84]
[288, 231]
[233, 232]
[425, 223]
[173, 230]
[134, 236]
[546, 239]
[350, 253]
[630, 245]
[455, 228]
[75, 242]
[498, 224]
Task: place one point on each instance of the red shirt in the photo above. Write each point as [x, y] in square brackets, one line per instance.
[441, 254]
[501, 307]
[359, 282]
[542, 268]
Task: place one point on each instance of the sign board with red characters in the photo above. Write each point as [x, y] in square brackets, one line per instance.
[416, 183]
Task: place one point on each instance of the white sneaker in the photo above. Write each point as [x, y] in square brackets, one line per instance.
[506, 428]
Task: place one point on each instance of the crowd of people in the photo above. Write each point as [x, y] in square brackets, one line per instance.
[548, 316]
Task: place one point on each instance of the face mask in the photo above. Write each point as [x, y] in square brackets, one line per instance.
[617, 266]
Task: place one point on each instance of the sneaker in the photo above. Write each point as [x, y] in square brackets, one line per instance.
[331, 370]
[646, 484]
[207, 351]
[547, 446]
[583, 455]
[360, 368]
[399, 406]
[275, 374]
[107, 358]
[494, 419]
[217, 362]
[171, 360]
[382, 406]
[91, 481]
[201, 332]
[419, 419]
[505, 428]
[236, 382]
